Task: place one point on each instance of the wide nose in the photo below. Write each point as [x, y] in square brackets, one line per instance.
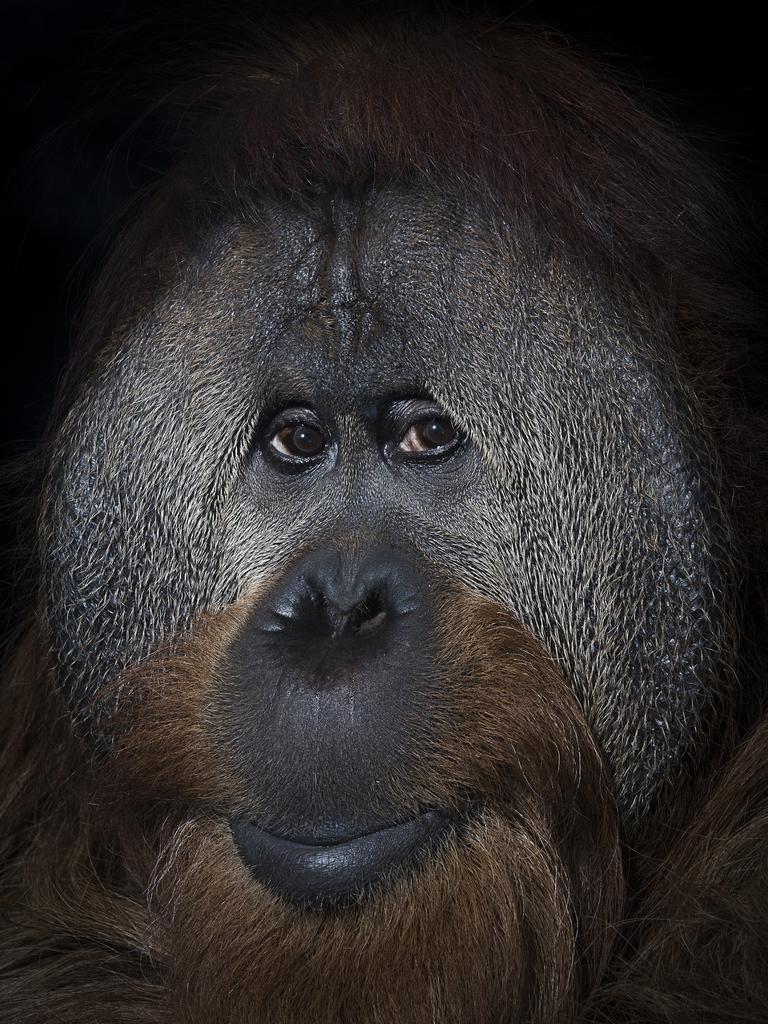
[344, 594]
[328, 689]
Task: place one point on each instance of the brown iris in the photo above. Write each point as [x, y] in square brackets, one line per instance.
[429, 435]
[298, 441]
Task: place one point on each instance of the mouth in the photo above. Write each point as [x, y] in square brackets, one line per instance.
[321, 872]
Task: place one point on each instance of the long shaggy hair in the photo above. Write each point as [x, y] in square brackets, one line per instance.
[122, 897]
[130, 897]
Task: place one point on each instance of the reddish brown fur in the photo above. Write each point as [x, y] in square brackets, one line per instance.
[698, 949]
[131, 883]
[122, 898]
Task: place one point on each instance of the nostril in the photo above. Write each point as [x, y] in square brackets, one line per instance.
[363, 617]
[370, 613]
[331, 596]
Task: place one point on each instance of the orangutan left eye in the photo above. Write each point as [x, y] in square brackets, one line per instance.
[434, 435]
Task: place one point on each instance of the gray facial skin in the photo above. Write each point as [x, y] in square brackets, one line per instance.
[579, 500]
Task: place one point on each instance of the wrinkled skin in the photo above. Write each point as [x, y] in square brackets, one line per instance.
[398, 644]
[578, 501]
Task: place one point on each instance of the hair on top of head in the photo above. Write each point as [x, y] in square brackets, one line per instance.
[397, 651]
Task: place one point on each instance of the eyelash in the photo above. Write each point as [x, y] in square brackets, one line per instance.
[399, 423]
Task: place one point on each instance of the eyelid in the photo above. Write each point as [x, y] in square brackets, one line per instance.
[284, 419]
[293, 415]
[400, 416]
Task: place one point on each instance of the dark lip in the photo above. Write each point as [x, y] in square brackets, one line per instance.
[331, 871]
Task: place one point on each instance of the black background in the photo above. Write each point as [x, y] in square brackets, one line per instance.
[77, 75]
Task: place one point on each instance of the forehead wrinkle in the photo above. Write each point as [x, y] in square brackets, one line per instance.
[372, 275]
[339, 317]
[361, 266]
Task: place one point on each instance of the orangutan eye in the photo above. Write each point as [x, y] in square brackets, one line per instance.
[296, 436]
[434, 435]
[299, 441]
